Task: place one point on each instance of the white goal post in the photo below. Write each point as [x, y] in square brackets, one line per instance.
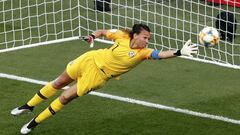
[28, 23]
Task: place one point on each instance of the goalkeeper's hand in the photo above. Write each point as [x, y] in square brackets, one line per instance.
[188, 49]
[89, 39]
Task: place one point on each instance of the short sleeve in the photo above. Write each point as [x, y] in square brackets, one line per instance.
[114, 34]
[146, 52]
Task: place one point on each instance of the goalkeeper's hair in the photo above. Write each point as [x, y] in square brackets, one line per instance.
[137, 28]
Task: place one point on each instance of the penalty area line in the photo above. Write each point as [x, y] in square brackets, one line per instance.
[131, 100]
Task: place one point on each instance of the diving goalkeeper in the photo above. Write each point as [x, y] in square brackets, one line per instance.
[93, 69]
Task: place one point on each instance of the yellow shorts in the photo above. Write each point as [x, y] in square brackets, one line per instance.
[88, 76]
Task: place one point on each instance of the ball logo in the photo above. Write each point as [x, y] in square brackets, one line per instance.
[131, 54]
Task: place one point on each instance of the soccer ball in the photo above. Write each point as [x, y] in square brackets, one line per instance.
[209, 37]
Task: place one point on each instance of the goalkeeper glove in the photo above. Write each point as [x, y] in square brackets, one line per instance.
[188, 49]
[89, 39]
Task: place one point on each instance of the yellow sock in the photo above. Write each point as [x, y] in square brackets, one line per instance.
[54, 107]
[46, 92]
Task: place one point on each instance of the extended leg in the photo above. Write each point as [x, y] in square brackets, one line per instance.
[54, 107]
[46, 92]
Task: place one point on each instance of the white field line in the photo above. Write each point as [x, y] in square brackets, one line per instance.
[50, 42]
[38, 44]
[130, 100]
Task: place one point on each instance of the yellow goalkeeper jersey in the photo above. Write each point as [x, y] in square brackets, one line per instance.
[119, 58]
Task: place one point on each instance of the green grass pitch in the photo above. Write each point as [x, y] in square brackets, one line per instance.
[175, 82]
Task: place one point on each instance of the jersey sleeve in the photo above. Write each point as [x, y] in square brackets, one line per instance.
[114, 34]
[147, 52]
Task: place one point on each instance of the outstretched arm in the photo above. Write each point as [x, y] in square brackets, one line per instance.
[99, 33]
[96, 34]
[187, 50]
[166, 54]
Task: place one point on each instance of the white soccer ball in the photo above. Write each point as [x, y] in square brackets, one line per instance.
[209, 37]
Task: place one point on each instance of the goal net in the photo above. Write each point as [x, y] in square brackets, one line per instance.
[26, 23]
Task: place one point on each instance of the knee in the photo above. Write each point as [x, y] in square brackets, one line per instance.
[63, 99]
[58, 84]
